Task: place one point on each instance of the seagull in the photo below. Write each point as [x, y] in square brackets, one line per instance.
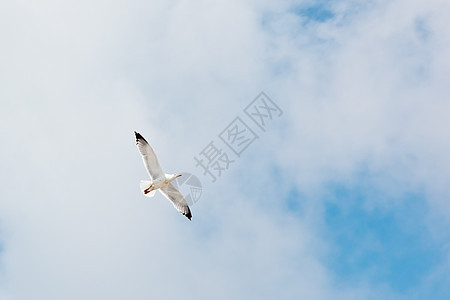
[160, 181]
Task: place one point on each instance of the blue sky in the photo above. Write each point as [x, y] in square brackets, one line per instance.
[316, 12]
[342, 196]
[384, 245]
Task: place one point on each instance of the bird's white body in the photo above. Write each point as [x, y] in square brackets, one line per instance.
[150, 186]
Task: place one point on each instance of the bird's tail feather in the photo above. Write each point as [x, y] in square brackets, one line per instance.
[145, 184]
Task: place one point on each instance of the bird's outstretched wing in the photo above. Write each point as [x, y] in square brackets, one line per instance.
[177, 199]
[149, 157]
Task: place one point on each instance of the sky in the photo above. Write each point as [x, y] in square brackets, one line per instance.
[341, 194]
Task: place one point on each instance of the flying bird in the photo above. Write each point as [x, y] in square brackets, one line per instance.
[160, 181]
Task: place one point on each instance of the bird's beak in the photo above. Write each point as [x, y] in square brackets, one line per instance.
[178, 175]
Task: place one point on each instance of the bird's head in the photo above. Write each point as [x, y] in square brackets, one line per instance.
[174, 176]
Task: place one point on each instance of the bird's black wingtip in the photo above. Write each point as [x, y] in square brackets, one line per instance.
[189, 216]
[138, 136]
